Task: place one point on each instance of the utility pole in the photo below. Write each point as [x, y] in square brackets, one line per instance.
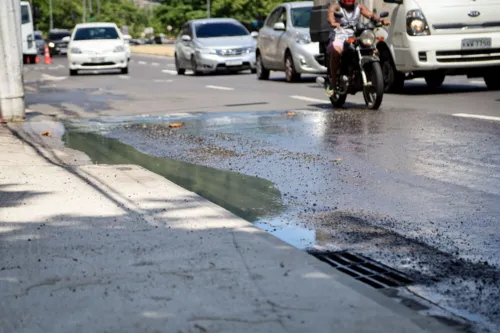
[51, 19]
[208, 8]
[84, 14]
[91, 13]
[98, 7]
[11, 66]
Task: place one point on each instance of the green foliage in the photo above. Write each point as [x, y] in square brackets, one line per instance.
[176, 12]
[67, 13]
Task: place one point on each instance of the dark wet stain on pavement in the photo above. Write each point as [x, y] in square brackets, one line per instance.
[89, 99]
[248, 197]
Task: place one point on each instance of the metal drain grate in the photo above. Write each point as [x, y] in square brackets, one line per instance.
[365, 270]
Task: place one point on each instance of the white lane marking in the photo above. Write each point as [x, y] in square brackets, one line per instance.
[142, 62]
[155, 64]
[476, 116]
[308, 99]
[219, 87]
[125, 77]
[47, 77]
[168, 71]
[30, 89]
[162, 81]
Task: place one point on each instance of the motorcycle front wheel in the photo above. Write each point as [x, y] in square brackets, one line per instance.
[374, 93]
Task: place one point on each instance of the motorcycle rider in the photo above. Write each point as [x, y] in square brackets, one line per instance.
[352, 12]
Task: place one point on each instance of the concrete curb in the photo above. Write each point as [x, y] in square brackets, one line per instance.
[167, 50]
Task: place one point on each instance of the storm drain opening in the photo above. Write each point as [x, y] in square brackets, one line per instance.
[368, 271]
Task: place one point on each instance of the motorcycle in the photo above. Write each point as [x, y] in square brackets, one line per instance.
[359, 68]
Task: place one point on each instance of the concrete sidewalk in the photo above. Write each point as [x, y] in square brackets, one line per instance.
[88, 248]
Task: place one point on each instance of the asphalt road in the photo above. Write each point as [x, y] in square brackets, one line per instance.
[415, 185]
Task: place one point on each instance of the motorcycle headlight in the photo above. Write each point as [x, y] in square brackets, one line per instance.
[367, 38]
[119, 48]
[75, 50]
[302, 39]
[51, 44]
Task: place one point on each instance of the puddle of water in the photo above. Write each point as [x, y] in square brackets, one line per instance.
[249, 197]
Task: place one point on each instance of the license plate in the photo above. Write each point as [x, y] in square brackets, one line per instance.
[234, 63]
[64, 50]
[96, 60]
[476, 43]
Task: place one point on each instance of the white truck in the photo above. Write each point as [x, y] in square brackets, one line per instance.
[30, 50]
[435, 38]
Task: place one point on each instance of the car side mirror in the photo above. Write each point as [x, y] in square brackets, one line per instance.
[384, 14]
[66, 39]
[186, 38]
[254, 34]
[279, 26]
[338, 14]
[399, 2]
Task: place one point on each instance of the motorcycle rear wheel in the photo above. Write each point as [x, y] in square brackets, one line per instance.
[338, 100]
[375, 93]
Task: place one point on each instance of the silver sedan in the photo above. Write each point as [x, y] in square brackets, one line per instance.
[211, 45]
[284, 43]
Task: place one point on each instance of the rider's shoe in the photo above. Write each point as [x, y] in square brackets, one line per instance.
[329, 91]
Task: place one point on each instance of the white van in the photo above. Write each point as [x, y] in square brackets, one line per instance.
[435, 38]
[28, 33]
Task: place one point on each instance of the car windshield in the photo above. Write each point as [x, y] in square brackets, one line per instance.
[38, 37]
[96, 33]
[58, 35]
[301, 17]
[220, 29]
[25, 14]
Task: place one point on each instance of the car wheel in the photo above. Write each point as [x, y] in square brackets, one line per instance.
[261, 71]
[194, 67]
[180, 71]
[434, 80]
[394, 81]
[290, 72]
[73, 72]
[492, 80]
[124, 70]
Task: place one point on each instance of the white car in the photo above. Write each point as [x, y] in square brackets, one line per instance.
[97, 46]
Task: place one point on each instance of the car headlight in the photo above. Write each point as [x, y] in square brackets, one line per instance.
[416, 24]
[367, 38]
[302, 39]
[206, 51]
[51, 44]
[250, 50]
[119, 48]
[75, 50]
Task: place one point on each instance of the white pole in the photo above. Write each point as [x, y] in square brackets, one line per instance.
[90, 8]
[11, 64]
[84, 9]
[208, 8]
[99, 7]
[51, 19]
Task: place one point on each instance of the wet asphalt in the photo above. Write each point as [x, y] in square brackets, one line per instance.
[413, 185]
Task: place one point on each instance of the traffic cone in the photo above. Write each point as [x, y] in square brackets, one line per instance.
[37, 59]
[28, 59]
[46, 56]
